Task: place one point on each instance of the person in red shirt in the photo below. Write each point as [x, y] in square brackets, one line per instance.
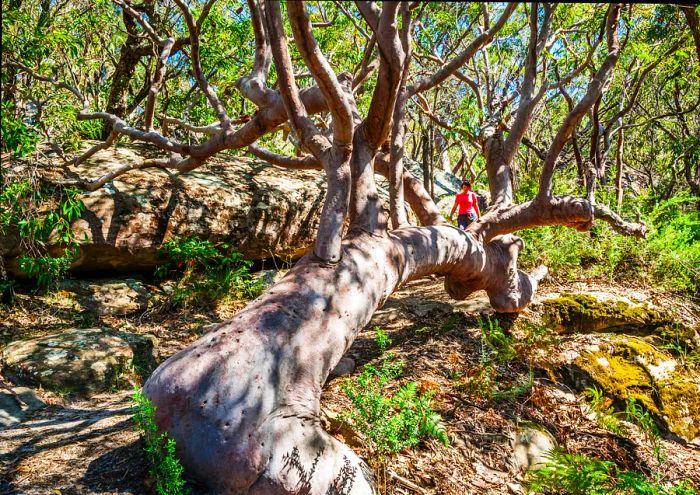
[468, 206]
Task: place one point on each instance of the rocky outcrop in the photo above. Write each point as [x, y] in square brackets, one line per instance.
[80, 361]
[627, 367]
[258, 209]
[109, 297]
[597, 311]
[17, 403]
[631, 349]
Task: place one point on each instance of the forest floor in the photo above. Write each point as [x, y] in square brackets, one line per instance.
[90, 446]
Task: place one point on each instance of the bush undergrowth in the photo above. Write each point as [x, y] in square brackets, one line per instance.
[40, 216]
[669, 256]
[579, 474]
[390, 422]
[206, 272]
[165, 468]
[486, 379]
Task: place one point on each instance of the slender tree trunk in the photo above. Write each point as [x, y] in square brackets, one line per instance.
[129, 57]
[619, 159]
[580, 169]
[431, 159]
[425, 139]
[498, 170]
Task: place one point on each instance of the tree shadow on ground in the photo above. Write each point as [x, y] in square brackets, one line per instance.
[121, 470]
[54, 433]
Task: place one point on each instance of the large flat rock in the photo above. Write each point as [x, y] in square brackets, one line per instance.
[80, 361]
[109, 297]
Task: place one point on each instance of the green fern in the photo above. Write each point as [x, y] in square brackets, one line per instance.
[579, 474]
[390, 422]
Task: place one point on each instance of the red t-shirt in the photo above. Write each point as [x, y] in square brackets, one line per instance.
[466, 202]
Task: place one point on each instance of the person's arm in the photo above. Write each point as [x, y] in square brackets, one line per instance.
[454, 207]
[476, 205]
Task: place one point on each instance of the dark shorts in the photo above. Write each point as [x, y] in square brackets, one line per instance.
[464, 220]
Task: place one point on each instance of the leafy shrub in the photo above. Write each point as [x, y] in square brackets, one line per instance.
[495, 341]
[41, 215]
[637, 414]
[206, 272]
[604, 411]
[496, 350]
[579, 474]
[392, 422]
[166, 469]
[382, 339]
[15, 135]
[521, 388]
[668, 257]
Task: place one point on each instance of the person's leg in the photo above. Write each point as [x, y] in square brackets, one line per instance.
[471, 217]
[463, 221]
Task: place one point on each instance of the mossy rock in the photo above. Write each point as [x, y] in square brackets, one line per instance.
[584, 313]
[629, 367]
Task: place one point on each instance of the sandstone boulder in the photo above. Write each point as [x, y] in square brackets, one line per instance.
[627, 367]
[257, 208]
[109, 297]
[80, 361]
[16, 403]
[531, 446]
[592, 311]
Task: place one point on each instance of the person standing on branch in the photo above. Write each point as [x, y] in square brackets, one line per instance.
[468, 204]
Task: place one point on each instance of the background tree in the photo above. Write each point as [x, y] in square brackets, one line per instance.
[527, 88]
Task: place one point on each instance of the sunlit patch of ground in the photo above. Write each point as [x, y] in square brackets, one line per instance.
[89, 446]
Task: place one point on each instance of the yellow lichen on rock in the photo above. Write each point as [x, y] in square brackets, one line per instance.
[581, 312]
[629, 367]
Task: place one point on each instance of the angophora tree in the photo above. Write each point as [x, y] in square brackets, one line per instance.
[243, 401]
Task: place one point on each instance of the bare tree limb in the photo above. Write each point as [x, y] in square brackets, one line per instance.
[377, 124]
[93, 185]
[98, 147]
[204, 14]
[369, 12]
[347, 14]
[453, 65]
[197, 67]
[417, 197]
[595, 89]
[138, 18]
[54, 81]
[337, 165]
[396, 192]
[323, 74]
[569, 211]
[308, 133]
[209, 130]
[500, 180]
[253, 86]
[367, 65]
[157, 83]
[693, 20]
[306, 162]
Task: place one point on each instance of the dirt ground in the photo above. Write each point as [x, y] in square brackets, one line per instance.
[90, 447]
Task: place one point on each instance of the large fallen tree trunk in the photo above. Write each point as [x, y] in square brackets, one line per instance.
[242, 402]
